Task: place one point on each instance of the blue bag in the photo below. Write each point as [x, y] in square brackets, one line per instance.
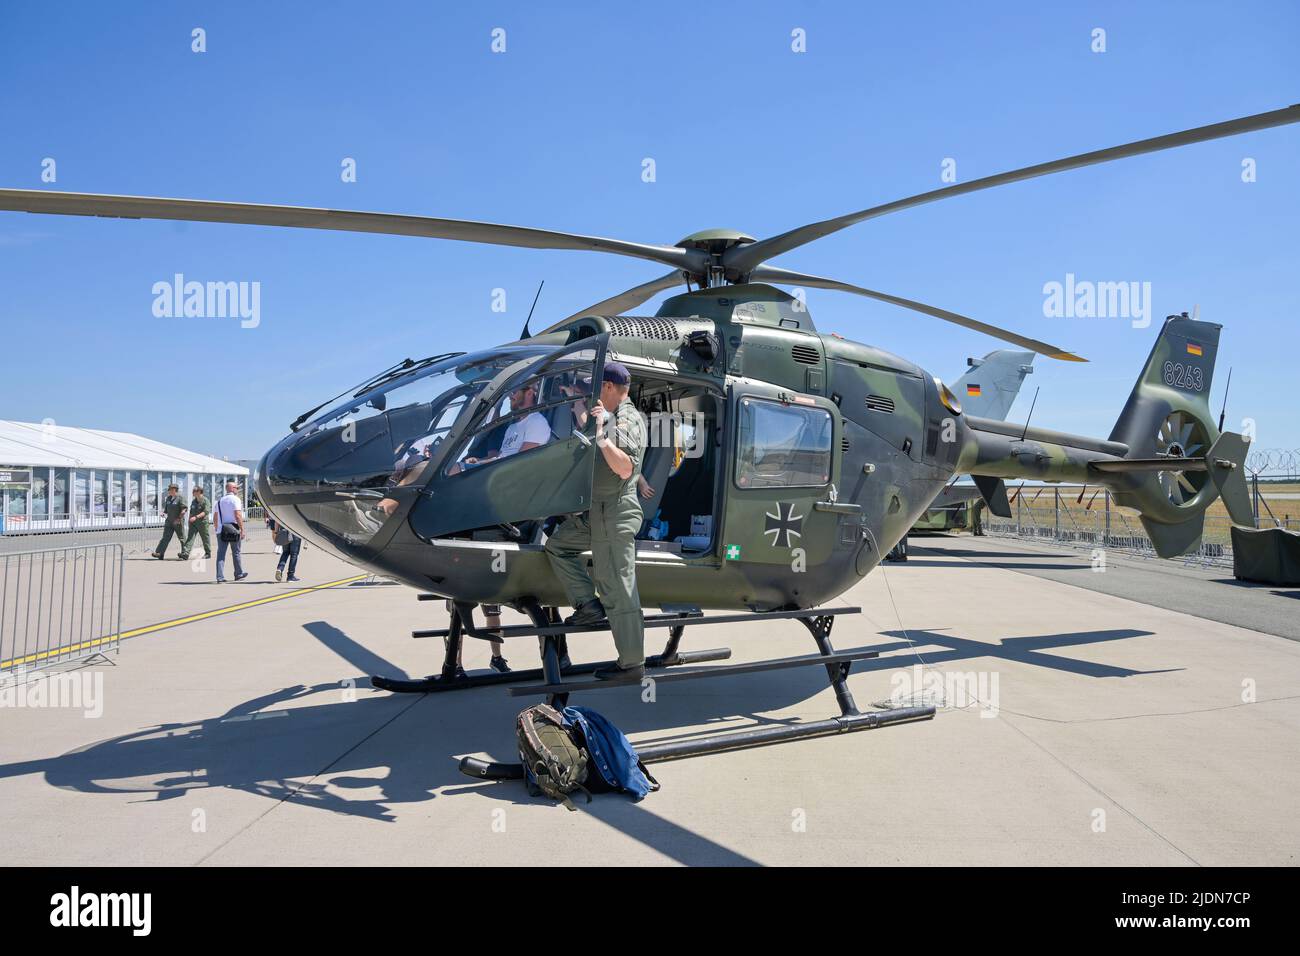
[611, 754]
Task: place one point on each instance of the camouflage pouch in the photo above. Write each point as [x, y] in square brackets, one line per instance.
[554, 763]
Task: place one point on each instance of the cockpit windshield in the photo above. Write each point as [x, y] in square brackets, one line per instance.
[423, 383]
[347, 456]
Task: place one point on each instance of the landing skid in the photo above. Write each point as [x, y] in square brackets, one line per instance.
[545, 625]
[437, 683]
[819, 624]
[733, 740]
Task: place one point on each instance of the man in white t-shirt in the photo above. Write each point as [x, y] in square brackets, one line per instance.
[530, 431]
[524, 433]
[230, 532]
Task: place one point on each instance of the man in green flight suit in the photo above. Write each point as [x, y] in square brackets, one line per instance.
[200, 524]
[608, 530]
[173, 522]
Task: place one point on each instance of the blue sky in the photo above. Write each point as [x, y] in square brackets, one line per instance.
[744, 132]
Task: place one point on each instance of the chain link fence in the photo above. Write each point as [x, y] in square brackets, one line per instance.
[1090, 520]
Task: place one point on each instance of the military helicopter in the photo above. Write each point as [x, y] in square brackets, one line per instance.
[787, 463]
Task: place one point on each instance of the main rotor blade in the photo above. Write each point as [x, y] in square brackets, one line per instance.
[617, 304]
[786, 277]
[742, 259]
[304, 217]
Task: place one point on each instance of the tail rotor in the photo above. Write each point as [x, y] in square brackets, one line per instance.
[1182, 435]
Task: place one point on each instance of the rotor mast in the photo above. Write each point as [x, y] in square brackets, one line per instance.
[715, 243]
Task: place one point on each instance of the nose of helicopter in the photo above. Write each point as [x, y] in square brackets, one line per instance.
[314, 484]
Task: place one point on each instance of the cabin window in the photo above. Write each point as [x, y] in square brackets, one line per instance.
[782, 446]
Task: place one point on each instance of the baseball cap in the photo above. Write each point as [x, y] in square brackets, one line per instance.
[617, 373]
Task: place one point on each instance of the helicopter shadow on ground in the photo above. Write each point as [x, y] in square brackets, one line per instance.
[321, 745]
[1034, 650]
[1258, 586]
[924, 549]
[1005, 565]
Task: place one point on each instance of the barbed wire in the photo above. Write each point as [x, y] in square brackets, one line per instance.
[1274, 462]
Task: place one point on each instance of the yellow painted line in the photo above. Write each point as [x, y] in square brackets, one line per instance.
[177, 622]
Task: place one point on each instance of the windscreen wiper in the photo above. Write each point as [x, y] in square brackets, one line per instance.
[401, 368]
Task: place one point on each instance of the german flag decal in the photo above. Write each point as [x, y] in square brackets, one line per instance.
[972, 390]
[1193, 349]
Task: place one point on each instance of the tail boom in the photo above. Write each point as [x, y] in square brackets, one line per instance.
[1165, 457]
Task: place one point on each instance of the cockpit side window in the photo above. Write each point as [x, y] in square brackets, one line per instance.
[543, 406]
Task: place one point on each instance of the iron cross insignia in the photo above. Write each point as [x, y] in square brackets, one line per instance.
[783, 524]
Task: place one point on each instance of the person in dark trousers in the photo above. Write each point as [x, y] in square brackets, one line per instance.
[200, 523]
[173, 523]
[492, 612]
[290, 546]
[230, 532]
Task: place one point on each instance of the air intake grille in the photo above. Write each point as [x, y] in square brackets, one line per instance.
[878, 403]
[666, 330]
[844, 445]
[805, 354]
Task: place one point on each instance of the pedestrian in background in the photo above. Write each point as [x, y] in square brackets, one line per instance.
[230, 532]
[200, 523]
[492, 612]
[173, 522]
[290, 545]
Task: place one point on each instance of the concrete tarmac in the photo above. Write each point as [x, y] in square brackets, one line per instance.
[1082, 724]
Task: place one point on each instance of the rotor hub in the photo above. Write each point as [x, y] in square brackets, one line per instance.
[714, 241]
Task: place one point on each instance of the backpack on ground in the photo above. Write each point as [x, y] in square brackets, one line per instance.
[554, 762]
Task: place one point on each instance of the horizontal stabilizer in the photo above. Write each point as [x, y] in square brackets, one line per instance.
[1138, 465]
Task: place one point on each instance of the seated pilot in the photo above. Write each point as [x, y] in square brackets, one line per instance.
[409, 466]
[526, 432]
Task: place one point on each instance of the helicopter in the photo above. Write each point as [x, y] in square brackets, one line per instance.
[783, 463]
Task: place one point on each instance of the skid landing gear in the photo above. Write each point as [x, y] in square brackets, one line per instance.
[546, 625]
[818, 622]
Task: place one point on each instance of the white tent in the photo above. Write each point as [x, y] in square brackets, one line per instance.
[63, 477]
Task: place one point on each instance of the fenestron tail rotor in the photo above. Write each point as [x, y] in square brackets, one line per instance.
[1181, 436]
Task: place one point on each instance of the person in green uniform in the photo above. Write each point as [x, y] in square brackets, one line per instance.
[200, 524]
[173, 522]
[977, 518]
[608, 530]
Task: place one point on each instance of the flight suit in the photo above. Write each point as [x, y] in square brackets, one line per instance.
[200, 528]
[173, 524]
[609, 531]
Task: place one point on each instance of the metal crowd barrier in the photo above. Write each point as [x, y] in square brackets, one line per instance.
[134, 532]
[59, 605]
[1054, 515]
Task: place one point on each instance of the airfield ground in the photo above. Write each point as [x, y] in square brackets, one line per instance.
[1120, 736]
